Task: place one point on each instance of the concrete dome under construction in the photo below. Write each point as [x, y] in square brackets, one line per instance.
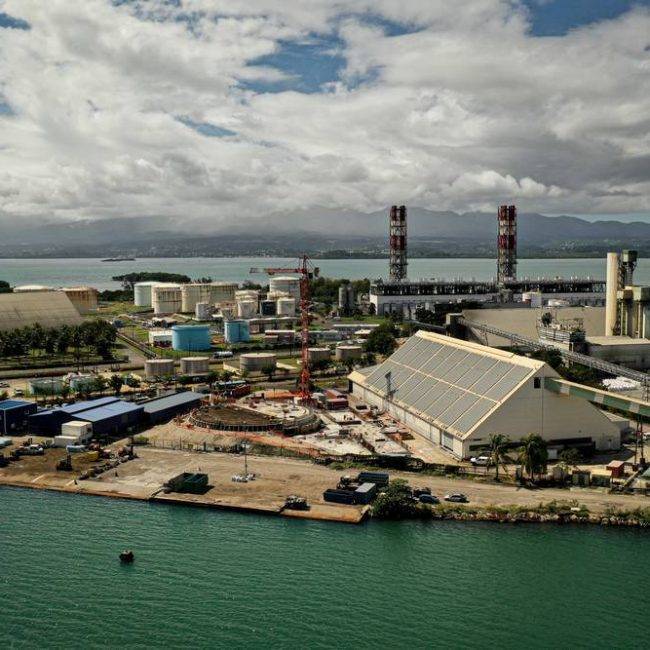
[288, 419]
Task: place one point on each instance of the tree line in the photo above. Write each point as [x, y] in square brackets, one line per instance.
[96, 335]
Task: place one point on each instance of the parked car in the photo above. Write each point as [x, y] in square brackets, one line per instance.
[481, 461]
[32, 450]
[456, 497]
[418, 492]
[4, 384]
[429, 498]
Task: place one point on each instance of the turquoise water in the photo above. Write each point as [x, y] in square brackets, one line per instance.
[62, 272]
[208, 579]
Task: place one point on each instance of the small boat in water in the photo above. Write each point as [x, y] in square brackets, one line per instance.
[127, 557]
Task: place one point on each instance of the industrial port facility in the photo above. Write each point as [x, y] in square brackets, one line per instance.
[228, 368]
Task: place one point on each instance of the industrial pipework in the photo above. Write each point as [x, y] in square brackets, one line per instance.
[506, 244]
[398, 259]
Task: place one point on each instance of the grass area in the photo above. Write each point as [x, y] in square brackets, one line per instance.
[117, 308]
[56, 360]
[361, 319]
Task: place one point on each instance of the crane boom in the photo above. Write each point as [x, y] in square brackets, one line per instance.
[306, 271]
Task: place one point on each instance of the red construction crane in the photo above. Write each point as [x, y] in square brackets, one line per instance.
[306, 271]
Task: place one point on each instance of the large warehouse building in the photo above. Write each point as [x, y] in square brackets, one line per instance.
[49, 308]
[457, 394]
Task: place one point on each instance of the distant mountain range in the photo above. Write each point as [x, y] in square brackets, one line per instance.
[321, 231]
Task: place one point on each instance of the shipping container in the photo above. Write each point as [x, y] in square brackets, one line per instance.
[339, 496]
[365, 493]
[379, 478]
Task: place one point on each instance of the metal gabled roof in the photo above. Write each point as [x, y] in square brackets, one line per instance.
[451, 383]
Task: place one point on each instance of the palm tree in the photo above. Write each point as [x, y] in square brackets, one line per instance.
[498, 451]
[533, 454]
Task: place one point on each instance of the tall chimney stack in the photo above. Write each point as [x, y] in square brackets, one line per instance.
[506, 244]
[398, 260]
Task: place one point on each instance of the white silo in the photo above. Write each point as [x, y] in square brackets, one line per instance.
[204, 311]
[286, 284]
[166, 299]
[246, 308]
[286, 306]
[142, 293]
[222, 291]
[192, 294]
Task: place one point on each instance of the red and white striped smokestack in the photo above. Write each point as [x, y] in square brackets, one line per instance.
[506, 244]
[398, 259]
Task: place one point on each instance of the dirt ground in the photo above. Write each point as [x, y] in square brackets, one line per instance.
[277, 479]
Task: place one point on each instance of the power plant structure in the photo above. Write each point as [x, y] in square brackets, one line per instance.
[399, 294]
[506, 244]
[398, 252]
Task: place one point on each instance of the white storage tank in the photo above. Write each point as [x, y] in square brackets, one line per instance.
[319, 354]
[157, 368]
[191, 294]
[195, 366]
[247, 294]
[276, 295]
[222, 291]
[257, 362]
[142, 293]
[85, 299]
[348, 352]
[204, 311]
[287, 284]
[31, 288]
[166, 299]
[46, 386]
[286, 306]
[246, 309]
[556, 302]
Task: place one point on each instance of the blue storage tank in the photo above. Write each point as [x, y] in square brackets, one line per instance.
[191, 338]
[237, 331]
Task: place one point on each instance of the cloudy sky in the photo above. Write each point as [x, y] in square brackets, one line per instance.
[225, 109]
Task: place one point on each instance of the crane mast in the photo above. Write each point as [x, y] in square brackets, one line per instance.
[306, 272]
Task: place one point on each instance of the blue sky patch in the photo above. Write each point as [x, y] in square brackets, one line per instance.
[205, 128]
[558, 17]
[308, 65]
[9, 22]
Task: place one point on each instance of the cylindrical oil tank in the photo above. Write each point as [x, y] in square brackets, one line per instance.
[83, 298]
[203, 311]
[142, 293]
[319, 354]
[348, 352]
[46, 386]
[257, 361]
[236, 331]
[166, 299]
[525, 297]
[286, 306]
[276, 295]
[191, 337]
[222, 291]
[287, 284]
[192, 294]
[228, 310]
[157, 368]
[246, 308]
[247, 294]
[31, 288]
[558, 302]
[195, 366]
[268, 308]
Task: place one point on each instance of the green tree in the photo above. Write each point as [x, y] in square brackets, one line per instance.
[533, 454]
[116, 382]
[132, 382]
[498, 451]
[396, 502]
[99, 384]
[65, 391]
[382, 339]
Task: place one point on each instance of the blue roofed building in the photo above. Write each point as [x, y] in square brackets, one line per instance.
[108, 415]
[14, 415]
[164, 409]
[116, 418]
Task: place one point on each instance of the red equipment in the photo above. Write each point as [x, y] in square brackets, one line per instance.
[306, 271]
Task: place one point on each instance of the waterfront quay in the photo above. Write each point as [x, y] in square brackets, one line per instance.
[143, 478]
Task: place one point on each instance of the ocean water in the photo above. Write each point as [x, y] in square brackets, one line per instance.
[66, 272]
[209, 579]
